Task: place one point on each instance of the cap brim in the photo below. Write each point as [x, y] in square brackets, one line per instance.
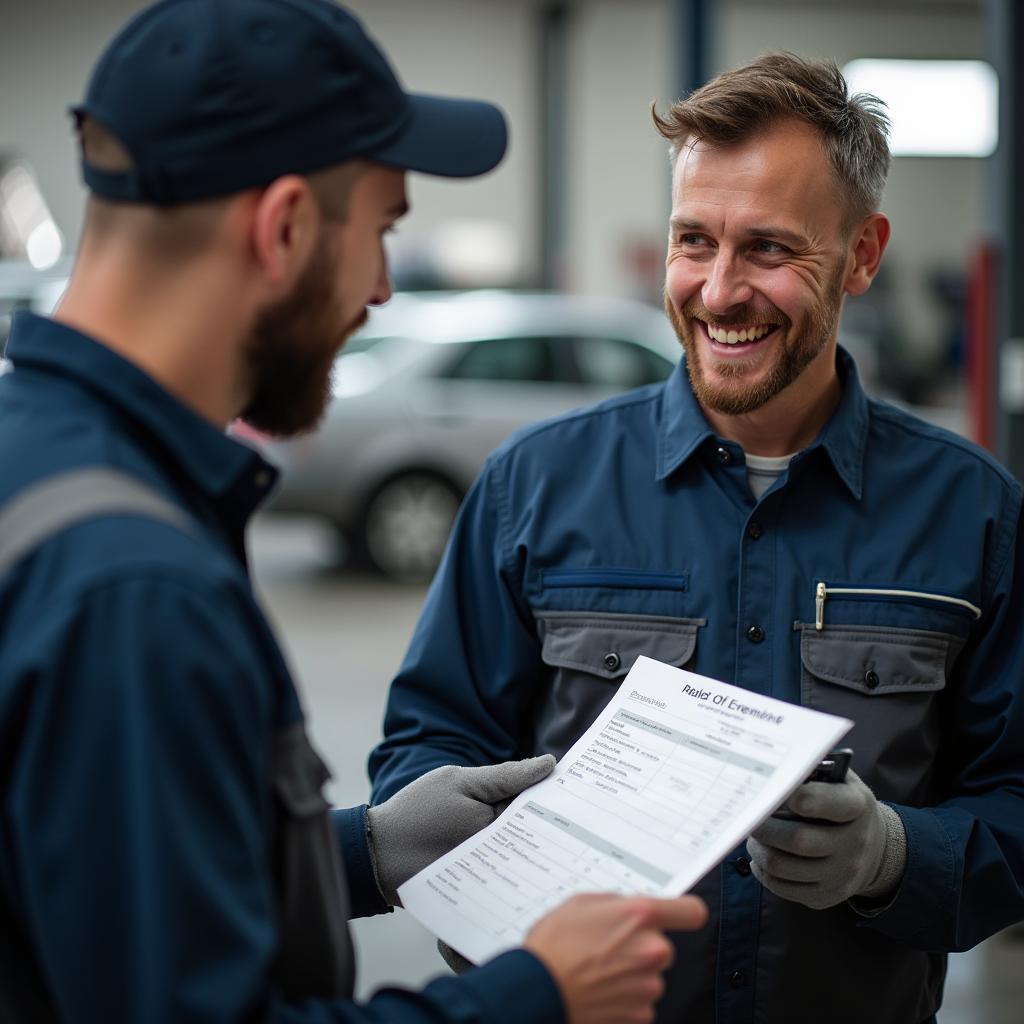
[448, 137]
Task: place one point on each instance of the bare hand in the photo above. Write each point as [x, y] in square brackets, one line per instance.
[607, 953]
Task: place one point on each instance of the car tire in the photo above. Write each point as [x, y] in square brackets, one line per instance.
[406, 523]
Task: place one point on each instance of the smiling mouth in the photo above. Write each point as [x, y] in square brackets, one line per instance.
[738, 335]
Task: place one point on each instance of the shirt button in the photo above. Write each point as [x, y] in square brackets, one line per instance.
[612, 661]
[755, 634]
[754, 531]
[261, 479]
[723, 455]
[871, 679]
[738, 979]
[742, 866]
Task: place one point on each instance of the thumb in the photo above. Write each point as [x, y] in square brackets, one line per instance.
[501, 781]
[837, 802]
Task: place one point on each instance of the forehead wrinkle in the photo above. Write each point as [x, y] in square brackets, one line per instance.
[782, 172]
[707, 214]
[746, 214]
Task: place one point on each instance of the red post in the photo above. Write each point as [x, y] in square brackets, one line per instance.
[981, 344]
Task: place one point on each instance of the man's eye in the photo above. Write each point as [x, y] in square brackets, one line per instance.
[691, 239]
[764, 245]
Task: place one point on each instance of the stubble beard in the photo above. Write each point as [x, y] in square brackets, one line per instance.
[291, 352]
[796, 350]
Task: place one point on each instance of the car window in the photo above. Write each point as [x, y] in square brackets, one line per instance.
[612, 362]
[513, 359]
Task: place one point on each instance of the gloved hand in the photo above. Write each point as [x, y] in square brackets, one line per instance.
[856, 846]
[438, 811]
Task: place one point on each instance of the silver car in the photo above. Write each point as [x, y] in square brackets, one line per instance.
[435, 382]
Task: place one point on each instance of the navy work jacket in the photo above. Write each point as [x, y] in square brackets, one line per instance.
[879, 578]
[141, 691]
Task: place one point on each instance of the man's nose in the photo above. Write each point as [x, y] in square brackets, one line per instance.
[726, 285]
[382, 290]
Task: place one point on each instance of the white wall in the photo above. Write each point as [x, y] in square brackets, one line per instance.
[486, 49]
[47, 49]
[619, 180]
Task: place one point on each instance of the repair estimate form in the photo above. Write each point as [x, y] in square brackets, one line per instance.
[673, 774]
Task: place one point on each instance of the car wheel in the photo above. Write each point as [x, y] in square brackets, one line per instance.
[406, 525]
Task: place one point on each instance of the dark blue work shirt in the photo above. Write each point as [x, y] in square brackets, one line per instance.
[140, 693]
[879, 578]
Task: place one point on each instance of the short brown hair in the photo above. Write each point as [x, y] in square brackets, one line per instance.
[737, 104]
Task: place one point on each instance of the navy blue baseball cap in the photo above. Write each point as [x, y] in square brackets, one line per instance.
[212, 97]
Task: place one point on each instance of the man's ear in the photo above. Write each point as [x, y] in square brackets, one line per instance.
[869, 241]
[285, 223]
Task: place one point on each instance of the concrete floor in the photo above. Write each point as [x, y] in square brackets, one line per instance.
[345, 636]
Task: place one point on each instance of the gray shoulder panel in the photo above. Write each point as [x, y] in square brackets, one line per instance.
[57, 502]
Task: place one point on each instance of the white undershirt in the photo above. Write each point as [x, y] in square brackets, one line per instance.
[764, 470]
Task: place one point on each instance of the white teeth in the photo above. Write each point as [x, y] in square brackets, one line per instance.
[724, 337]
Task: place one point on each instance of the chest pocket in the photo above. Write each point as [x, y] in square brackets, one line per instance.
[588, 655]
[315, 955]
[888, 682]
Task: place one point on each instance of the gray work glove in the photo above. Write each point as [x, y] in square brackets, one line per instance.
[438, 811]
[854, 847]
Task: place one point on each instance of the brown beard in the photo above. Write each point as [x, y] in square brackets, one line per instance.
[291, 352]
[811, 337]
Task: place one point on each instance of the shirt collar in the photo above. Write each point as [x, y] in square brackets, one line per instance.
[683, 426]
[223, 469]
[684, 429]
[845, 436]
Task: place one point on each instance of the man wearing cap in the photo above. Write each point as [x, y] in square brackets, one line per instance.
[166, 853]
[759, 519]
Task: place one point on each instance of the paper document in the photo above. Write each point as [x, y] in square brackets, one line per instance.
[675, 772]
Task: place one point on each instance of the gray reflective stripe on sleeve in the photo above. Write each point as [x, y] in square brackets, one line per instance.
[53, 504]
